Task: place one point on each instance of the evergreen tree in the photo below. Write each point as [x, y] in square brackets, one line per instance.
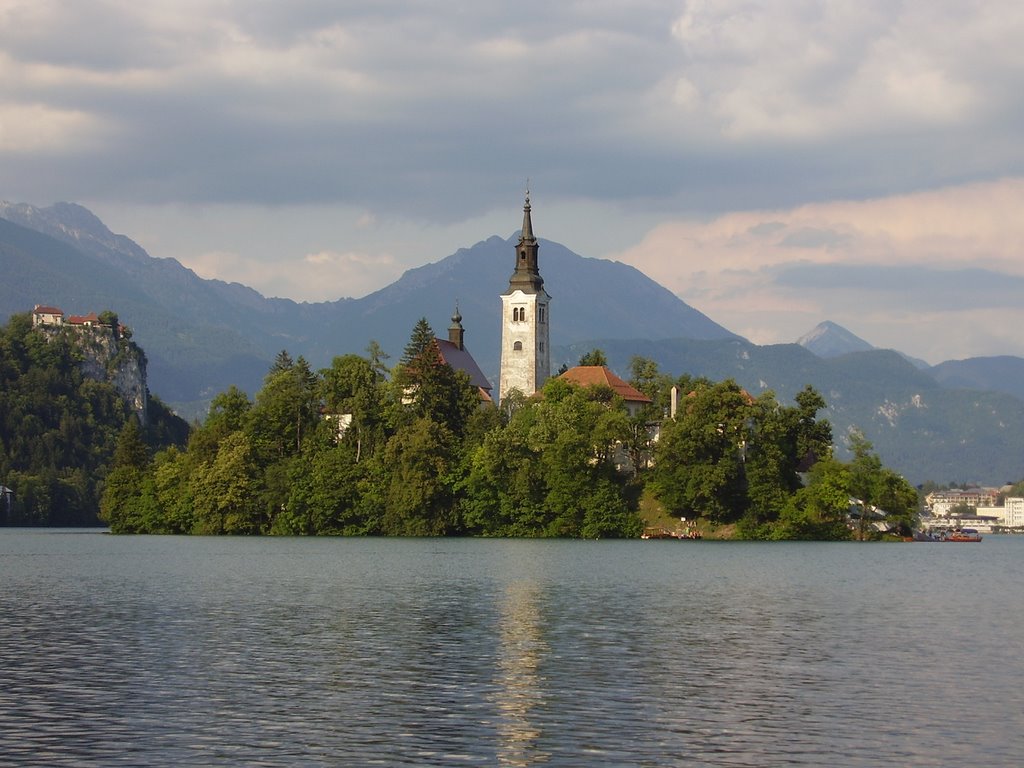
[594, 357]
[430, 387]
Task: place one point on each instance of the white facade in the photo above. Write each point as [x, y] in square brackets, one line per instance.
[525, 342]
[1013, 515]
[525, 320]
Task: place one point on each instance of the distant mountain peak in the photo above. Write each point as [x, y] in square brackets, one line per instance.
[828, 339]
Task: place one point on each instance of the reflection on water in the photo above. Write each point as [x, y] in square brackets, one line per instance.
[519, 693]
[282, 652]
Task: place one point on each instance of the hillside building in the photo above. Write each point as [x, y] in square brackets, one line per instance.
[525, 320]
[600, 375]
[940, 503]
[50, 316]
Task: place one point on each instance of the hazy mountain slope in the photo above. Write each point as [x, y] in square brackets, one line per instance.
[589, 296]
[187, 360]
[828, 339]
[203, 335]
[1003, 373]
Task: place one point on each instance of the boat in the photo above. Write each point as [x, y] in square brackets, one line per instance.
[961, 534]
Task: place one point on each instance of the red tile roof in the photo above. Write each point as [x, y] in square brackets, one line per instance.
[41, 310]
[92, 317]
[591, 375]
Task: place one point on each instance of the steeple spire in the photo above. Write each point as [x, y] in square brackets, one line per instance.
[527, 274]
[526, 235]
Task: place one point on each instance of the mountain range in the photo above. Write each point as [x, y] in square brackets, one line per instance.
[957, 421]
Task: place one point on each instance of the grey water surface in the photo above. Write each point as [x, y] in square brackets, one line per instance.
[155, 651]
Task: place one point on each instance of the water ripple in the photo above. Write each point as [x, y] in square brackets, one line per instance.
[148, 651]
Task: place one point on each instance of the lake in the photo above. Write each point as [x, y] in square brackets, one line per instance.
[318, 652]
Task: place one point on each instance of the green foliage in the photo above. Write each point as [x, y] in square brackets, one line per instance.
[594, 357]
[698, 467]
[430, 387]
[59, 429]
[345, 451]
[732, 459]
[550, 470]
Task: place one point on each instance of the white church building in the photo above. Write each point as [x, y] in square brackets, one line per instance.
[525, 320]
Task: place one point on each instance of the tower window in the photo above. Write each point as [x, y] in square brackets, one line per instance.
[540, 314]
[518, 346]
[541, 345]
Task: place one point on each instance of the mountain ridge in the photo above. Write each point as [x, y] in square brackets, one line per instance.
[202, 336]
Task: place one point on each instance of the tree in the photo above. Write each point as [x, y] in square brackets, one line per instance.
[880, 492]
[353, 389]
[550, 471]
[699, 460]
[323, 497]
[645, 376]
[818, 511]
[431, 388]
[119, 505]
[783, 443]
[594, 357]
[419, 495]
[226, 491]
[229, 413]
[287, 409]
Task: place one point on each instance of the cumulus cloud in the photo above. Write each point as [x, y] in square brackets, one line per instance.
[384, 106]
[886, 267]
[806, 69]
[799, 132]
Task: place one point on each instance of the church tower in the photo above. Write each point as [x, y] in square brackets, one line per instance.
[525, 320]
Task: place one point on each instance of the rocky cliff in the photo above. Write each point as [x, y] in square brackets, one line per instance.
[108, 354]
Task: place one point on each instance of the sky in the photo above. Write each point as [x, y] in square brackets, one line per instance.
[775, 164]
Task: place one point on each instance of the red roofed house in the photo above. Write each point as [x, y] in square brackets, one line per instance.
[600, 375]
[88, 321]
[47, 316]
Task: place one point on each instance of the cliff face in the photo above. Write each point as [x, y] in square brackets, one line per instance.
[113, 358]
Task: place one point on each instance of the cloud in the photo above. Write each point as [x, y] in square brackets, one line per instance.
[764, 136]
[435, 111]
[807, 70]
[320, 276]
[38, 128]
[888, 266]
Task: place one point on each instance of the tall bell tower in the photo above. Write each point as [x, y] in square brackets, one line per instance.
[525, 319]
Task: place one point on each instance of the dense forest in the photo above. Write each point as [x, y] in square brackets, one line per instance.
[359, 448]
[59, 426]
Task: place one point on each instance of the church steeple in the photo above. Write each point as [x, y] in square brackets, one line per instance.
[527, 273]
[525, 323]
[456, 333]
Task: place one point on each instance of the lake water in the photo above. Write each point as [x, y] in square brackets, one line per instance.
[292, 652]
